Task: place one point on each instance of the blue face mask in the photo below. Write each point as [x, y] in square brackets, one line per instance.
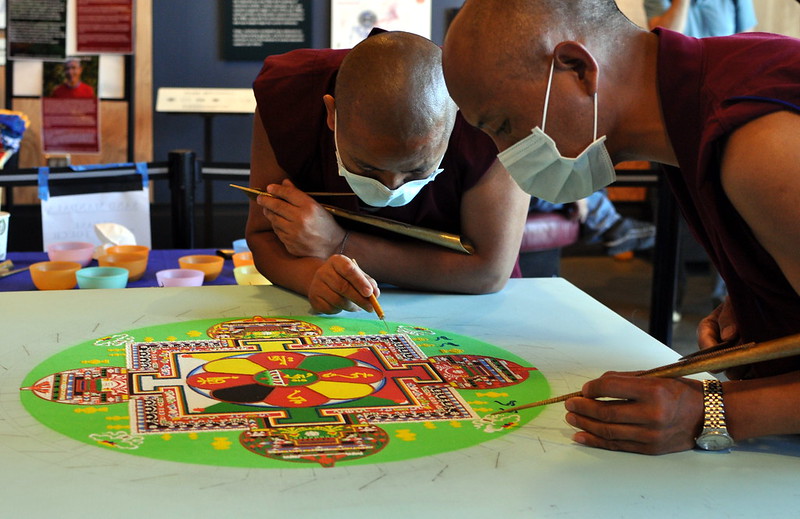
[540, 170]
[374, 193]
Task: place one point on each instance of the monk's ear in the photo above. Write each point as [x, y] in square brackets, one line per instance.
[573, 56]
[330, 108]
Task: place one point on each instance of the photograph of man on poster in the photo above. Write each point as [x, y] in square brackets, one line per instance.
[70, 105]
[75, 78]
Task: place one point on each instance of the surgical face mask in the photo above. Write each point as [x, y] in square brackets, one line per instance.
[540, 170]
[374, 193]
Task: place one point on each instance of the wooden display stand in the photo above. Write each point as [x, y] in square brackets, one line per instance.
[118, 143]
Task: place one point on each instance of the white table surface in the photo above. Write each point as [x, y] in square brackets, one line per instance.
[536, 471]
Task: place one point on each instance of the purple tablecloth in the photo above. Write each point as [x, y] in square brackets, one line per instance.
[159, 260]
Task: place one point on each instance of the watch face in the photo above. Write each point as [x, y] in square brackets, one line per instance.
[714, 441]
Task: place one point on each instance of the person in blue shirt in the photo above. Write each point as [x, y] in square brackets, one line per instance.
[602, 223]
[701, 18]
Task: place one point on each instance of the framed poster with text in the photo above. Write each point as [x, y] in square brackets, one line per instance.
[104, 26]
[255, 29]
[70, 110]
[37, 29]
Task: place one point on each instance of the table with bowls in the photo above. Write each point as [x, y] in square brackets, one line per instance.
[157, 260]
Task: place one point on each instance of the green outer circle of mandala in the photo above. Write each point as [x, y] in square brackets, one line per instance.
[222, 448]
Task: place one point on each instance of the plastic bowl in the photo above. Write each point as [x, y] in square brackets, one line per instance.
[240, 245]
[180, 278]
[210, 265]
[55, 275]
[128, 249]
[102, 277]
[134, 263]
[77, 251]
[249, 275]
[242, 258]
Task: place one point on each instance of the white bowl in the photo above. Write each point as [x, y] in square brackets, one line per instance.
[180, 278]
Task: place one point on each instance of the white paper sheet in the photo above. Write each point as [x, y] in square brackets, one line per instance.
[73, 217]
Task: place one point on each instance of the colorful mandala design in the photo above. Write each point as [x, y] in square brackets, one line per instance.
[286, 379]
[273, 392]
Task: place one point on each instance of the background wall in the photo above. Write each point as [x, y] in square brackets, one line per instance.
[187, 53]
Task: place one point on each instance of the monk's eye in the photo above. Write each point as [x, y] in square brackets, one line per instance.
[504, 128]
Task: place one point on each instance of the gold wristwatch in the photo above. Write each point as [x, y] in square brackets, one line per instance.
[714, 436]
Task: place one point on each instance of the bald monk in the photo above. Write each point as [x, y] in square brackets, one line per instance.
[403, 153]
[551, 80]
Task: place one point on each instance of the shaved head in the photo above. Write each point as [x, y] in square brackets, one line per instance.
[519, 35]
[500, 58]
[392, 82]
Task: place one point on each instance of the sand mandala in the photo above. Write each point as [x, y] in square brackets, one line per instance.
[282, 392]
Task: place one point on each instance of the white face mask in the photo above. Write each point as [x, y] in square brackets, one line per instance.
[374, 193]
[540, 170]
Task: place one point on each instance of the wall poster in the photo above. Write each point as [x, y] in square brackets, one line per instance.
[255, 29]
[37, 29]
[352, 20]
[104, 26]
[70, 110]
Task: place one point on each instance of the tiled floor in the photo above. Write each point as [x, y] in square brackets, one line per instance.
[624, 286]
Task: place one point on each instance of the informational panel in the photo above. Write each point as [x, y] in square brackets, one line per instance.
[37, 29]
[70, 110]
[105, 26]
[205, 100]
[255, 29]
[352, 20]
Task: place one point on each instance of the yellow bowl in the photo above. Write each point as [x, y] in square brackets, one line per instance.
[242, 258]
[249, 275]
[210, 265]
[134, 262]
[55, 275]
[128, 249]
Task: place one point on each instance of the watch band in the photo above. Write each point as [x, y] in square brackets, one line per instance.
[713, 404]
[714, 436]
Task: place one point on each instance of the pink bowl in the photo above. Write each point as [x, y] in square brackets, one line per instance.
[180, 278]
[77, 251]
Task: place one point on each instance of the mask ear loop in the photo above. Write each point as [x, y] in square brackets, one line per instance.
[339, 163]
[335, 131]
[594, 136]
[547, 103]
[547, 94]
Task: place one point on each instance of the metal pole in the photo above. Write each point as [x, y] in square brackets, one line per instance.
[182, 166]
[208, 185]
[665, 265]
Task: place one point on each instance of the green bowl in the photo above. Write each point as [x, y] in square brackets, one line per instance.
[102, 277]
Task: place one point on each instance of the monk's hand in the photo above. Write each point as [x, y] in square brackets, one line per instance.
[339, 284]
[303, 226]
[647, 415]
[717, 327]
